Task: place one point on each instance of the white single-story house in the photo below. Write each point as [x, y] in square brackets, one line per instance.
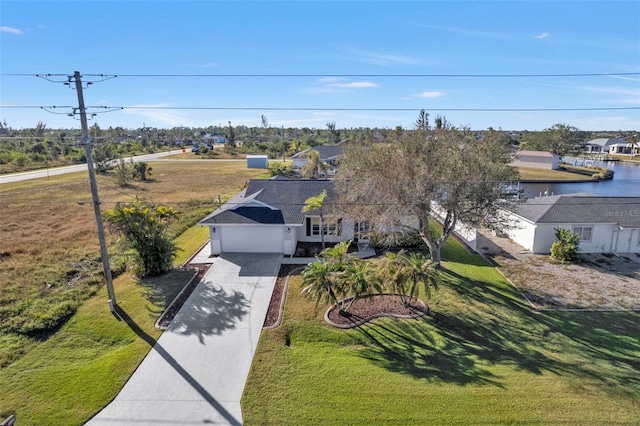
[267, 217]
[605, 224]
[536, 159]
[329, 154]
[606, 146]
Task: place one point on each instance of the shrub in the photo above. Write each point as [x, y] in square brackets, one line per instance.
[278, 168]
[566, 246]
[394, 240]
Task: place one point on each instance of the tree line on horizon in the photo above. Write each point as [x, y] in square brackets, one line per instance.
[41, 146]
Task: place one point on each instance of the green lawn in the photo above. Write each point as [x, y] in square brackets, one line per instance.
[482, 357]
[528, 173]
[70, 376]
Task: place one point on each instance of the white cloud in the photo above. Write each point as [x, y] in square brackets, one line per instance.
[390, 60]
[466, 31]
[161, 117]
[209, 65]
[328, 79]
[430, 95]
[355, 85]
[10, 30]
[542, 36]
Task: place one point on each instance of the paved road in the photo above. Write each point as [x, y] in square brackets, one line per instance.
[43, 173]
[196, 371]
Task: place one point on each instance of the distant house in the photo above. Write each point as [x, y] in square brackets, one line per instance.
[605, 224]
[218, 139]
[329, 154]
[536, 159]
[267, 217]
[607, 146]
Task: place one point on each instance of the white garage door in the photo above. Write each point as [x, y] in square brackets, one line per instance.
[252, 239]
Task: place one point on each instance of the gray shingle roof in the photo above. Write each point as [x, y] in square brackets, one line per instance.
[327, 152]
[605, 141]
[582, 208]
[275, 201]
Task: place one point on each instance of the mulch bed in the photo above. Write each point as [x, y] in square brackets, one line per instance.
[361, 311]
[379, 305]
[277, 298]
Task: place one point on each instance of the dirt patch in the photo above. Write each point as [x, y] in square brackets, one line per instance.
[594, 281]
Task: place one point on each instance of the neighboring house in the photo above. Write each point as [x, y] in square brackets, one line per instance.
[536, 159]
[267, 217]
[604, 145]
[605, 224]
[218, 139]
[329, 154]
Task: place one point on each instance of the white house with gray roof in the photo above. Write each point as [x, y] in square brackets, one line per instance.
[607, 146]
[267, 217]
[605, 224]
[329, 154]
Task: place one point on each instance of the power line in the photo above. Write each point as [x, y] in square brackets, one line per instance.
[299, 75]
[226, 108]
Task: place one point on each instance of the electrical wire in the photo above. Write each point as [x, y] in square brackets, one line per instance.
[299, 75]
[232, 108]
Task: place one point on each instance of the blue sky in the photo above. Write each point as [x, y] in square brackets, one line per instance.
[369, 40]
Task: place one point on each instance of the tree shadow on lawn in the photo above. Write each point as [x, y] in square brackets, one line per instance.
[494, 326]
[608, 344]
[162, 289]
[398, 347]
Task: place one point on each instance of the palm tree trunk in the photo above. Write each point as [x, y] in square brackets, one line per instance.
[322, 230]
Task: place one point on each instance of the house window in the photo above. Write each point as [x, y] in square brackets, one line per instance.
[331, 228]
[584, 232]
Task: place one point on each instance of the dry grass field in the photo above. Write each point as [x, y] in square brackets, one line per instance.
[49, 252]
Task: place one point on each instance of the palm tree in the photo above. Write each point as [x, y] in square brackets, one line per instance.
[319, 282]
[313, 166]
[360, 279]
[417, 269]
[316, 203]
[338, 254]
[390, 268]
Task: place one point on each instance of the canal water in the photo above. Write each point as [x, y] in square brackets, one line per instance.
[625, 182]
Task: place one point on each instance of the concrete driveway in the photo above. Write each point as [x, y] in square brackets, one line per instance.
[196, 371]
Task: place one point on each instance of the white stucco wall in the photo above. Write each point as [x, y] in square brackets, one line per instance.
[466, 233]
[605, 237]
[550, 163]
[521, 231]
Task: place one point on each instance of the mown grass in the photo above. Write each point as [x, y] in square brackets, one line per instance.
[481, 357]
[49, 253]
[64, 374]
[528, 173]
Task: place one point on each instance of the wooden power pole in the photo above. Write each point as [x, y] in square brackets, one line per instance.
[94, 192]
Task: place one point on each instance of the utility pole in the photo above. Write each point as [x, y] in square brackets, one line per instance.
[94, 192]
[283, 146]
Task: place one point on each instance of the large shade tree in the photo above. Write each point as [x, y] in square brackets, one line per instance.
[399, 186]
